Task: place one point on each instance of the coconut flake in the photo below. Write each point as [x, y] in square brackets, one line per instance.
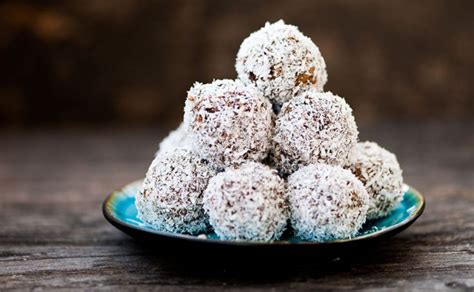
[313, 127]
[176, 139]
[379, 171]
[281, 62]
[247, 203]
[171, 196]
[326, 203]
[229, 122]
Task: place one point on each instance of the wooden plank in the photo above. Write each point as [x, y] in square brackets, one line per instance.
[53, 234]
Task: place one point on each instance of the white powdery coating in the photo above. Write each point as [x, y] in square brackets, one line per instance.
[326, 203]
[171, 195]
[178, 138]
[379, 171]
[281, 62]
[229, 122]
[313, 127]
[248, 203]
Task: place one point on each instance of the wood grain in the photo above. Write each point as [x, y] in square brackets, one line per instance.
[53, 234]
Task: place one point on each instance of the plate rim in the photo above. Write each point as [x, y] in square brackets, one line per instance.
[119, 224]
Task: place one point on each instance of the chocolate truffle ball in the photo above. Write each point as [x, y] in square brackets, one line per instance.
[379, 171]
[281, 62]
[171, 196]
[229, 122]
[247, 203]
[326, 202]
[178, 138]
[313, 127]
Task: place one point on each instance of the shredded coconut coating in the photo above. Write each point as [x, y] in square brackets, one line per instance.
[229, 122]
[313, 127]
[326, 203]
[247, 203]
[379, 171]
[171, 195]
[281, 62]
[178, 138]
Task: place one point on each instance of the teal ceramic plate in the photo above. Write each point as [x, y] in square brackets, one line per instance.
[119, 209]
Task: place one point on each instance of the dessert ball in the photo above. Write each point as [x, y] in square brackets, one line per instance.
[229, 122]
[281, 62]
[171, 195]
[313, 127]
[247, 203]
[178, 138]
[326, 202]
[379, 171]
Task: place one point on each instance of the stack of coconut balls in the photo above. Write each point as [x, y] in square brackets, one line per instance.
[269, 152]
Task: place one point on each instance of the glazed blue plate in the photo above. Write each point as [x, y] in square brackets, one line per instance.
[119, 209]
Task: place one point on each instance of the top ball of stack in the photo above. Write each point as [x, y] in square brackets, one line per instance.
[281, 62]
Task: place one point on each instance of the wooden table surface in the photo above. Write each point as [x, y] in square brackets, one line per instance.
[53, 234]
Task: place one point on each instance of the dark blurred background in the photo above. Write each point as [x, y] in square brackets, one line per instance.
[129, 62]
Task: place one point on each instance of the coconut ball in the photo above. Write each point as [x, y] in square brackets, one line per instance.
[281, 62]
[379, 171]
[178, 138]
[326, 202]
[229, 122]
[313, 127]
[171, 196]
[247, 203]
